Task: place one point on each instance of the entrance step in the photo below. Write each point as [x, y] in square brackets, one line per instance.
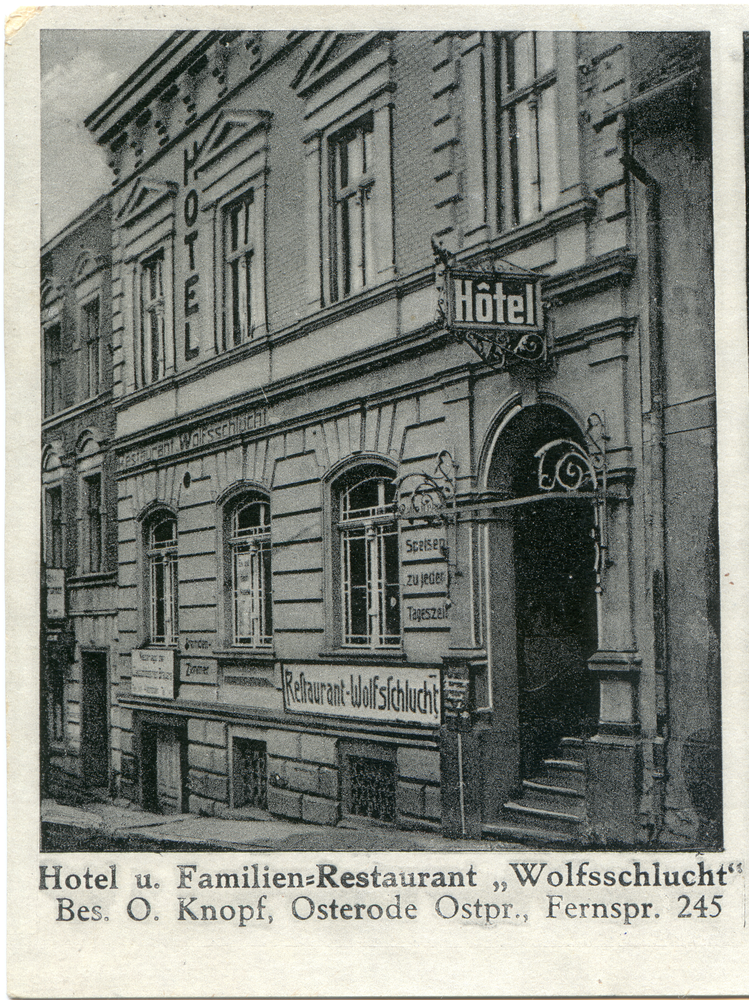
[550, 807]
[554, 797]
[553, 820]
[572, 748]
[564, 773]
[527, 835]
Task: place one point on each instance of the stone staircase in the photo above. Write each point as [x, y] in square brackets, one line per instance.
[551, 808]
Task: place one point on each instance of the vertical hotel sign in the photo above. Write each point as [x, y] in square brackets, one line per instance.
[499, 313]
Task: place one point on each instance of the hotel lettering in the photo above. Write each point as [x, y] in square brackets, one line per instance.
[191, 207]
[505, 302]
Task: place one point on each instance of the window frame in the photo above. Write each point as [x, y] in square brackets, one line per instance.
[50, 534]
[94, 525]
[349, 255]
[163, 555]
[374, 526]
[156, 307]
[259, 638]
[92, 386]
[522, 200]
[53, 373]
[230, 256]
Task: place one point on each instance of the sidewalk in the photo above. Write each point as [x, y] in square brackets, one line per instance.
[101, 826]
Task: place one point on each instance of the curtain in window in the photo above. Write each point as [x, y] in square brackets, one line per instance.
[162, 560]
[370, 588]
[252, 621]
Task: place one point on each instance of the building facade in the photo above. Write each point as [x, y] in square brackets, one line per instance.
[79, 505]
[412, 376]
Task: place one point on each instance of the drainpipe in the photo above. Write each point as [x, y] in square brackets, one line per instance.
[657, 451]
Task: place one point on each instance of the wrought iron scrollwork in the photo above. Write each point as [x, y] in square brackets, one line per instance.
[425, 495]
[496, 349]
[565, 465]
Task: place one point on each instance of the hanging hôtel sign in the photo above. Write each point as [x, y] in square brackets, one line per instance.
[499, 313]
[384, 694]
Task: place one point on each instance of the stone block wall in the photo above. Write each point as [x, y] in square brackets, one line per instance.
[418, 792]
[207, 759]
[302, 777]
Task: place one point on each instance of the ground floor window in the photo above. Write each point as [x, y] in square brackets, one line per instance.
[372, 788]
[249, 773]
[369, 776]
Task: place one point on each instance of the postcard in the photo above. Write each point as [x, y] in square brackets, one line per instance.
[376, 501]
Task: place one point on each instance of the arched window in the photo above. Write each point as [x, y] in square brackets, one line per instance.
[369, 565]
[249, 552]
[161, 554]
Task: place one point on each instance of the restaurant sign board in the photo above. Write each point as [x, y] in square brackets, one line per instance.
[383, 694]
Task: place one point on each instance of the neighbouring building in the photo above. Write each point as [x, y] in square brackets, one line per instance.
[79, 506]
[413, 390]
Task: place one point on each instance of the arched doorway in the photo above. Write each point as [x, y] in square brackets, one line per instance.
[541, 599]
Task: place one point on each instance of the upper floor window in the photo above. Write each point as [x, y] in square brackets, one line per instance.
[91, 342]
[369, 565]
[239, 226]
[527, 103]
[152, 326]
[52, 369]
[250, 571]
[352, 184]
[161, 552]
[53, 548]
[93, 525]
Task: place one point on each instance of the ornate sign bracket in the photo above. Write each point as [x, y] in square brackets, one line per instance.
[493, 306]
[428, 496]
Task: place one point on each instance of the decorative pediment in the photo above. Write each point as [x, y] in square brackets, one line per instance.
[88, 263]
[51, 292]
[331, 52]
[144, 196]
[229, 128]
[52, 457]
[90, 442]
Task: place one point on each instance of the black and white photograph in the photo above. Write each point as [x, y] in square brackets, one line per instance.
[378, 458]
[381, 571]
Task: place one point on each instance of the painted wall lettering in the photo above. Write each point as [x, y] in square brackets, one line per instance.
[396, 694]
[191, 208]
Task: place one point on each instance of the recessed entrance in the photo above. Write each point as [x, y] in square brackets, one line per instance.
[556, 625]
[542, 606]
[94, 725]
[164, 753]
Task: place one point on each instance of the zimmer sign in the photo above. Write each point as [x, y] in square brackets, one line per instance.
[399, 694]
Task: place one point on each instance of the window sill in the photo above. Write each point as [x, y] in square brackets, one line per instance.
[559, 217]
[362, 655]
[92, 579]
[240, 653]
[74, 409]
